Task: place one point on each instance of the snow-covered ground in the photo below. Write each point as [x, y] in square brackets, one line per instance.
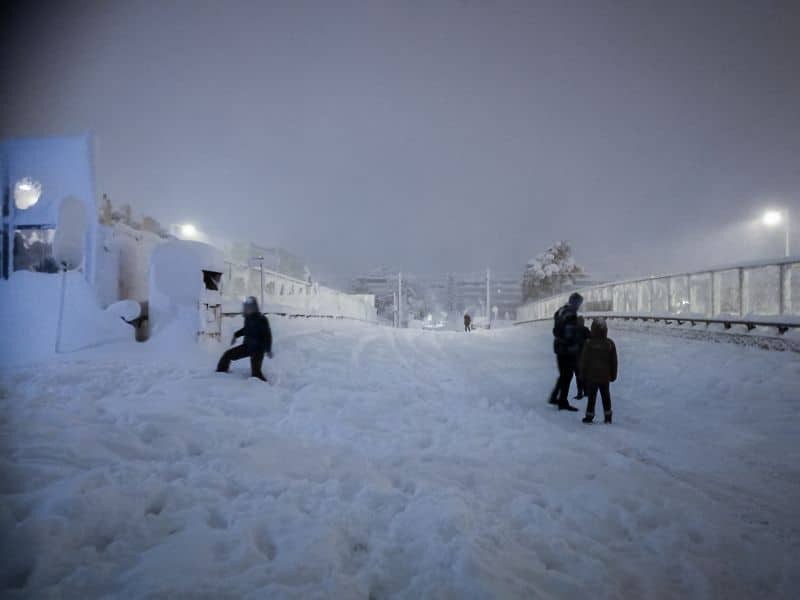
[385, 463]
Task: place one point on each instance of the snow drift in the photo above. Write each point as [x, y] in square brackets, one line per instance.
[29, 317]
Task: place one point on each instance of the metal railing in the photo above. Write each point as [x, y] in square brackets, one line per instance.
[291, 296]
[752, 294]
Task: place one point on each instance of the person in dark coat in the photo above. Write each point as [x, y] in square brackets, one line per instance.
[566, 339]
[583, 335]
[467, 322]
[598, 367]
[257, 341]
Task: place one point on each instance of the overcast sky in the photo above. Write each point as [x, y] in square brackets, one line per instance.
[430, 135]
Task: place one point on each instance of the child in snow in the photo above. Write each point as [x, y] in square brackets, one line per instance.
[467, 322]
[598, 368]
[583, 335]
[257, 340]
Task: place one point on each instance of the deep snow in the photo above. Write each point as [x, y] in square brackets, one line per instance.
[400, 463]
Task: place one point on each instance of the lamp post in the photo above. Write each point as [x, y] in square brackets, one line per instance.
[260, 260]
[773, 218]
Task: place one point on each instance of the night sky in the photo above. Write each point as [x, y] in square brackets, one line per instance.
[430, 136]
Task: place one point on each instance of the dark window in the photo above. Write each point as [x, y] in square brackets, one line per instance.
[212, 279]
[33, 250]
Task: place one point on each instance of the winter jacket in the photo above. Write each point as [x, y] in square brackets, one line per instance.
[256, 332]
[467, 319]
[598, 361]
[566, 331]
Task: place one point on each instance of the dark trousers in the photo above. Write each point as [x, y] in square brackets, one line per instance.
[605, 393]
[467, 327]
[239, 352]
[567, 364]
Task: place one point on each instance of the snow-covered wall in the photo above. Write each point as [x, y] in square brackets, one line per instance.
[758, 289]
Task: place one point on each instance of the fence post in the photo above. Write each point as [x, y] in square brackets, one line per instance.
[741, 291]
[669, 295]
[713, 310]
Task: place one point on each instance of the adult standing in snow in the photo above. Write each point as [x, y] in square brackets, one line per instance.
[566, 345]
[257, 340]
[467, 322]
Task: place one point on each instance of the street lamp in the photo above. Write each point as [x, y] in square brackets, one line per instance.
[26, 193]
[260, 260]
[188, 231]
[773, 218]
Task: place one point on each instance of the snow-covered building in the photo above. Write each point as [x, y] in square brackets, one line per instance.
[37, 175]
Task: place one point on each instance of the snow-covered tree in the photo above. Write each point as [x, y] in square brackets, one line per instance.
[549, 272]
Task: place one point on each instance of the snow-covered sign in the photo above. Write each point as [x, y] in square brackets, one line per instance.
[70, 238]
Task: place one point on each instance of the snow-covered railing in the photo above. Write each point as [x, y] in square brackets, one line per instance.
[286, 295]
[758, 293]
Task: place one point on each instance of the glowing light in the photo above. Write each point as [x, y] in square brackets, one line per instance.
[26, 193]
[188, 230]
[772, 218]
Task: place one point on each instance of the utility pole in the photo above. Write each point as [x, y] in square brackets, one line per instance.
[260, 260]
[400, 299]
[488, 297]
[786, 233]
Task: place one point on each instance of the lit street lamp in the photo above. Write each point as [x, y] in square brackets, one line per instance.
[189, 231]
[773, 218]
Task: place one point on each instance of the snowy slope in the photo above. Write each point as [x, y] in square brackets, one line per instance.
[387, 463]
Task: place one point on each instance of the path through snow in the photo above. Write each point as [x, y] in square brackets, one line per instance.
[401, 463]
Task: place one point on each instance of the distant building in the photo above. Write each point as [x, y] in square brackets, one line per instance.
[454, 293]
[382, 284]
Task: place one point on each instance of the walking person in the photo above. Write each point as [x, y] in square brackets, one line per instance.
[566, 344]
[467, 322]
[257, 341]
[598, 367]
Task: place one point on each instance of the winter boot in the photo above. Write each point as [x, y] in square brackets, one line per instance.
[608, 417]
[568, 407]
[588, 419]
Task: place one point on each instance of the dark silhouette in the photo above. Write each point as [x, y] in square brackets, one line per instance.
[566, 345]
[583, 335]
[598, 366]
[467, 323]
[257, 341]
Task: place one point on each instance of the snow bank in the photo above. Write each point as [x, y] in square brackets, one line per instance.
[29, 317]
[176, 286]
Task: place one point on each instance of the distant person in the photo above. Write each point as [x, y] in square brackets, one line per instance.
[257, 341]
[584, 335]
[566, 344]
[467, 322]
[598, 367]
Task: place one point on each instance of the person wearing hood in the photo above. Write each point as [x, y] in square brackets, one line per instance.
[566, 346]
[598, 367]
[257, 340]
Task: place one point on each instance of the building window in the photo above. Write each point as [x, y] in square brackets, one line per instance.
[33, 249]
